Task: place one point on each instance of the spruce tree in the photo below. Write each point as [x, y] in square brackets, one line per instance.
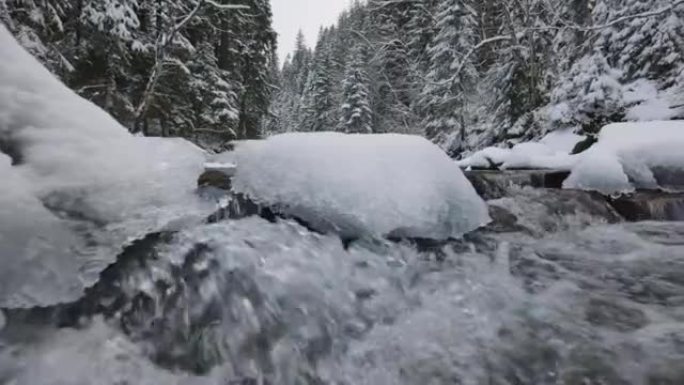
[356, 114]
[451, 74]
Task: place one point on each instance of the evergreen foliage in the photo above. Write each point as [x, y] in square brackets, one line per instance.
[468, 74]
[190, 68]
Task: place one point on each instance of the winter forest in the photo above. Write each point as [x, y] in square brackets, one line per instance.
[465, 74]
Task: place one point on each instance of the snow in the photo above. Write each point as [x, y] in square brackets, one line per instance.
[551, 152]
[562, 140]
[81, 187]
[633, 155]
[647, 103]
[361, 185]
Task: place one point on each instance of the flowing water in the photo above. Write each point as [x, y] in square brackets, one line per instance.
[556, 291]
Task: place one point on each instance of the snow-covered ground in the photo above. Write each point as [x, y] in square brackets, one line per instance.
[361, 185]
[80, 186]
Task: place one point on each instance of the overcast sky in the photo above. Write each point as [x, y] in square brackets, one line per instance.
[308, 15]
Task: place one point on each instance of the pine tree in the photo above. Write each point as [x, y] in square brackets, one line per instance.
[645, 47]
[589, 96]
[319, 104]
[258, 41]
[356, 114]
[450, 75]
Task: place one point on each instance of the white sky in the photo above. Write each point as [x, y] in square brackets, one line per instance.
[309, 15]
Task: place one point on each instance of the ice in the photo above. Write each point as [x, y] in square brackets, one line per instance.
[226, 168]
[643, 155]
[361, 185]
[551, 152]
[80, 186]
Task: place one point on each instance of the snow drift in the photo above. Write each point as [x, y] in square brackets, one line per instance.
[628, 156]
[78, 186]
[361, 185]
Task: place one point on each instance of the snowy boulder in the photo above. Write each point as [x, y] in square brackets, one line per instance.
[79, 186]
[361, 185]
[631, 156]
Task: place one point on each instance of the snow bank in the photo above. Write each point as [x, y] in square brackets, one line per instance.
[633, 155]
[552, 152]
[81, 186]
[361, 185]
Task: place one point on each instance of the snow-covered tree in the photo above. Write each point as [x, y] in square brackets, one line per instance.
[319, 106]
[167, 67]
[589, 95]
[451, 73]
[644, 47]
[356, 115]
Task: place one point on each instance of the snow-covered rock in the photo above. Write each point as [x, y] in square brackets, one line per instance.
[80, 185]
[551, 152]
[643, 155]
[361, 185]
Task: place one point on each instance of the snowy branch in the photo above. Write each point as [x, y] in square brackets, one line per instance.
[160, 52]
[669, 8]
[475, 48]
[225, 6]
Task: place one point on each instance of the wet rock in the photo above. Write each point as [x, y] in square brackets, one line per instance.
[497, 184]
[650, 205]
[503, 221]
[215, 178]
[669, 178]
[612, 315]
[585, 144]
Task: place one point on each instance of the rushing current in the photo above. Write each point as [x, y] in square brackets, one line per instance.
[556, 290]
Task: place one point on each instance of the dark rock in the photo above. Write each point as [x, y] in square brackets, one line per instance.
[10, 148]
[551, 179]
[669, 178]
[486, 185]
[584, 145]
[496, 184]
[650, 205]
[215, 178]
[503, 221]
